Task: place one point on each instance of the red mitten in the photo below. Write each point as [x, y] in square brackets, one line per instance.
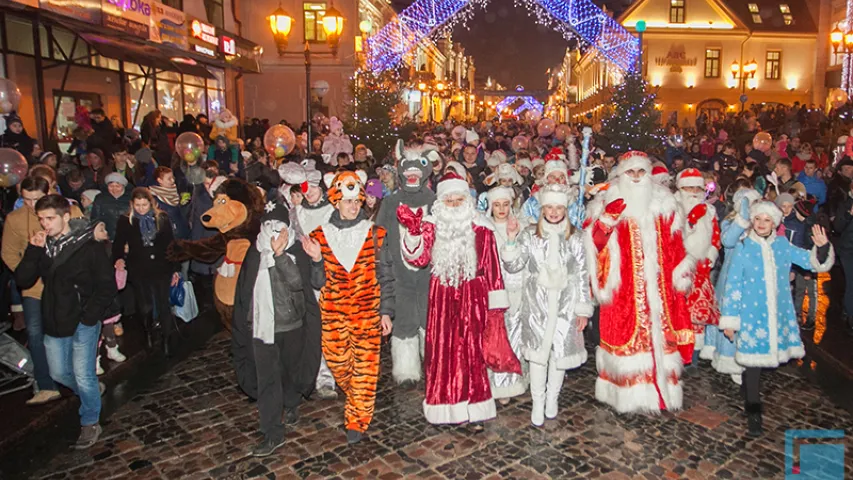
[497, 352]
[615, 208]
[697, 213]
[410, 219]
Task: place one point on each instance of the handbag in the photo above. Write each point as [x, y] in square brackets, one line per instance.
[189, 310]
[177, 295]
[497, 351]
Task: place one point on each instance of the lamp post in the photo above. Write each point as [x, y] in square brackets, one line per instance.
[747, 72]
[281, 25]
[838, 38]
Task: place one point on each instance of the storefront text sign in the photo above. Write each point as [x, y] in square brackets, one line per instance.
[29, 3]
[130, 16]
[676, 58]
[84, 10]
[228, 46]
[168, 26]
[203, 38]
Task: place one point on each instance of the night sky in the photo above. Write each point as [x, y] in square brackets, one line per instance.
[509, 46]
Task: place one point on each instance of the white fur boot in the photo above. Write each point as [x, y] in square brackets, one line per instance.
[552, 394]
[406, 359]
[538, 378]
[98, 369]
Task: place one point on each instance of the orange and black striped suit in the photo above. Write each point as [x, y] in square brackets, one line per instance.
[351, 303]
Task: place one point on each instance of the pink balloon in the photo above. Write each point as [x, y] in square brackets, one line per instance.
[520, 142]
[189, 146]
[563, 131]
[279, 141]
[13, 167]
[546, 127]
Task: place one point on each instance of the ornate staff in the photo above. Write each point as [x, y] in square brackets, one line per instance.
[577, 214]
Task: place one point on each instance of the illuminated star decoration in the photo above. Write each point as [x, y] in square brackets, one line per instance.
[580, 19]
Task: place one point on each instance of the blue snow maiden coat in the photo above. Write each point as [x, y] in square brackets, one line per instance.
[759, 305]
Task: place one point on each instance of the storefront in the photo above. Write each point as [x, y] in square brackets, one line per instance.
[128, 57]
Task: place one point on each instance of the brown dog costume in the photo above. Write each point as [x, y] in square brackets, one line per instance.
[236, 213]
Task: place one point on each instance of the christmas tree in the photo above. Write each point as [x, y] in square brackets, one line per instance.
[633, 122]
[374, 114]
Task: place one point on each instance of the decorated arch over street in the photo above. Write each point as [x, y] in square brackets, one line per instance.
[575, 19]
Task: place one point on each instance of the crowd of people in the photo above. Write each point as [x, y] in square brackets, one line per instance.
[492, 255]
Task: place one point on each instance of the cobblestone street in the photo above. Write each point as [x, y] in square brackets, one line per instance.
[194, 423]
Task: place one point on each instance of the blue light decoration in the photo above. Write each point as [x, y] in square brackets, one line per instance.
[573, 18]
[530, 103]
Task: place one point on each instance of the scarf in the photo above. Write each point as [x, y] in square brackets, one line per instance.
[263, 309]
[147, 226]
[169, 196]
[79, 232]
[553, 276]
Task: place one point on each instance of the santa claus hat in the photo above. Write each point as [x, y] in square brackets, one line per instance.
[456, 167]
[555, 154]
[498, 157]
[450, 184]
[554, 195]
[660, 175]
[524, 162]
[767, 208]
[633, 160]
[689, 177]
[552, 166]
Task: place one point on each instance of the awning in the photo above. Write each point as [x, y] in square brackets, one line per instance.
[142, 54]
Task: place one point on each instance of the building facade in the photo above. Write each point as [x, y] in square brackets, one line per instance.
[705, 56]
[181, 57]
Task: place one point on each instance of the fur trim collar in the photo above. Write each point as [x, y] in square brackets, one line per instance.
[228, 124]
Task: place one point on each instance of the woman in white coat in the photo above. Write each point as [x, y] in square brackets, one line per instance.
[555, 300]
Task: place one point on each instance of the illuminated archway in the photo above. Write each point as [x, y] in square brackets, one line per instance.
[580, 19]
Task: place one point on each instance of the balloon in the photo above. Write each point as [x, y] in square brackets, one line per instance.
[534, 115]
[520, 142]
[563, 131]
[279, 141]
[319, 117]
[10, 96]
[762, 141]
[13, 167]
[189, 146]
[458, 134]
[838, 98]
[546, 127]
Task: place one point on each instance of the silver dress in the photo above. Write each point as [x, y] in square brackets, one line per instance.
[552, 298]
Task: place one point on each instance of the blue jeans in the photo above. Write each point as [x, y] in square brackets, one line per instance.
[72, 363]
[35, 334]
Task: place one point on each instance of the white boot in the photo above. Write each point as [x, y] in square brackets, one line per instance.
[552, 394]
[406, 359]
[114, 355]
[538, 378]
[98, 369]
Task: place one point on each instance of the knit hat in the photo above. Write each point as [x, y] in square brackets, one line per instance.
[91, 194]
[554, 195]
[784, 198]
[115, 178]
[13, 118]
[450, 184]
[689, 177]
[805, 207]
[552, 166]
[275, 211]
[633, 160]
[374, 188]
[767, 208]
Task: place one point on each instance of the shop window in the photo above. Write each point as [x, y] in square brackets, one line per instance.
[773, 65]
[104, 62]
[313, 14]
[169, 76]
[215, 13]
[68, 103]
[676, 11]
[19, 35]
[712, 63]
[141, 98]
[169, 100]
[216, 102]
[195, 100]
[193, 80]
[177, 4]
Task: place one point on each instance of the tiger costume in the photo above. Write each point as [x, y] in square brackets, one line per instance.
[355, 290]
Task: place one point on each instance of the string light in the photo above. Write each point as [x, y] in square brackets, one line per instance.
[845, 65]
[580, 19]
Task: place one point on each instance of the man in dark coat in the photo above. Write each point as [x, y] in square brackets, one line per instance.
[104, 133]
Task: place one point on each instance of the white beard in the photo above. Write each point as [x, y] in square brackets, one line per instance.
[689, 200]
[637, 195]
[454, 253]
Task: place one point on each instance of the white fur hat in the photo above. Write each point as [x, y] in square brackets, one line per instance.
[451, 184]
[633, 160]
[457, 167]
[767, 208]
[503, 170]
[537, 161]
[498, 157]
[552, 166]
[690, 177]
[524, 162]
[554, 195]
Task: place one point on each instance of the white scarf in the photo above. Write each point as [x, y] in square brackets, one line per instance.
[553, 276]
[263, 309]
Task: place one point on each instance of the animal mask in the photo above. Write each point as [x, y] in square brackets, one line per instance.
[225, 215]
[345, 185]
[415, 166]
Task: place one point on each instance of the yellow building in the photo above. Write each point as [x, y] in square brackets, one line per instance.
[705, 55]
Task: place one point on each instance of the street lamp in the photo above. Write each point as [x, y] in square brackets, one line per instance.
[747, 72]
[281, 25]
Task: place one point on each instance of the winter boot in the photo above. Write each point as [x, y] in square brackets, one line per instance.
[552, 394]
[753, 420]
[538, 379]
[98, 369]
[114, 355]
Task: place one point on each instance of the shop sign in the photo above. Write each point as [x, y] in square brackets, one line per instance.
[168, 26]
[29, 3]
[203, 38]
[83, 10]
[130, 16]
[676, 58]
[228, 46]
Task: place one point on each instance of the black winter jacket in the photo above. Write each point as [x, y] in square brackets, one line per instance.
[108, 209]
[144, 264]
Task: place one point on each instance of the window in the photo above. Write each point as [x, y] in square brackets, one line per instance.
[753, 8]
[313, 16]
[176, 4]
[215, 13]
[773, 65]
[676, 11]
[756, 18]
[712, 63]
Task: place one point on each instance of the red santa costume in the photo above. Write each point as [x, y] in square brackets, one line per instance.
[702, 241]
[466, 305]
[639, 271]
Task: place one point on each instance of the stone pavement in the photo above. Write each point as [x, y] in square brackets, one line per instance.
[194, 423]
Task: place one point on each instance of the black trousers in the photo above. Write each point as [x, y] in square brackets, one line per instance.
[153, 296]
[752, 385]
[276, 366]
